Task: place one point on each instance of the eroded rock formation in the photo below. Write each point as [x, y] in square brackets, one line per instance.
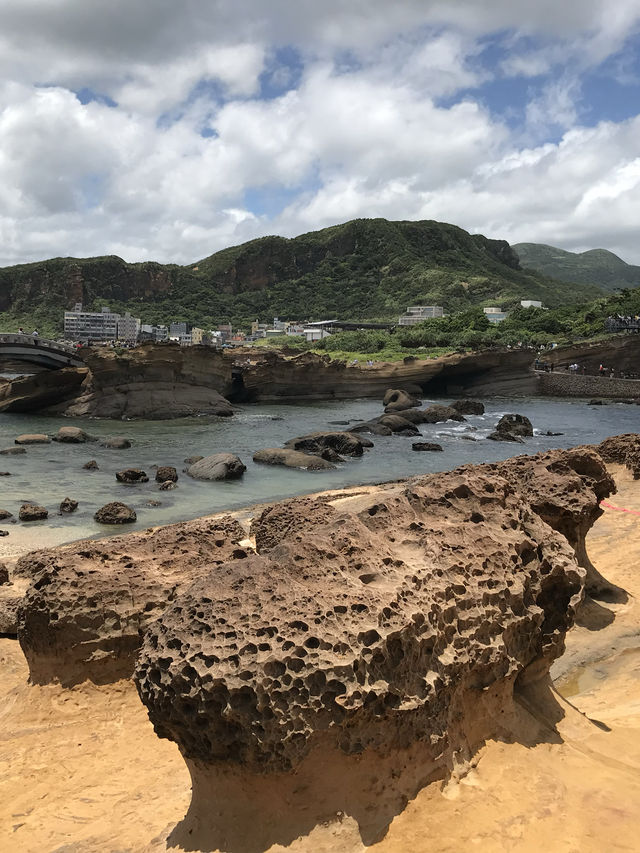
[364, 640]
[88, 602]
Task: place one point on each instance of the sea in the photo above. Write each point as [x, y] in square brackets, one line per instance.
[47, 473]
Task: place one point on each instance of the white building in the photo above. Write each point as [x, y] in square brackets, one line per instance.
[82, 325]
[128, 328]
[315, 333]
[530, 303]
[419, 313]
[495, 315]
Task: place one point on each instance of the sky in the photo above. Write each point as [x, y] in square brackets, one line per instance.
[164, 130]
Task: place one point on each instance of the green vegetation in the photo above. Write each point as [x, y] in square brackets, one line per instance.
[597, 266]
[470, 330]
[366, 269]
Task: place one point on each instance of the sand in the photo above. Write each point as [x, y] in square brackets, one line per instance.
[81, 769]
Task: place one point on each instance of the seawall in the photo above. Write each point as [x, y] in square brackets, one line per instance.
[565, 384]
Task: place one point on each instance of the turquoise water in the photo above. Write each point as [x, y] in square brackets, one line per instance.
[48, 473]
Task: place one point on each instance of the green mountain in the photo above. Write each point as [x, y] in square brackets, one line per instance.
[366, 269]
[597, 266]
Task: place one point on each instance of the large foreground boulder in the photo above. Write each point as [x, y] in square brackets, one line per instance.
[291, 459]
[219, 466]
[362, 641]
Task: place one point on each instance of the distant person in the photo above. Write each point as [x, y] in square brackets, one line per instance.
[21, 331]
[35, 333]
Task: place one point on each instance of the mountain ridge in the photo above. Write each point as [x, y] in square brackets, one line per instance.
[594, 266]
[362, 269]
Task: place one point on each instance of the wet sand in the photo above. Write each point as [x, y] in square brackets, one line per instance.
[81, 769]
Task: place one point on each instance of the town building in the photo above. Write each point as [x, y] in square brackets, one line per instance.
[82, 325]
[128, 328]
[495, 315]
[315, 333]
[530, 303]
[419, 313]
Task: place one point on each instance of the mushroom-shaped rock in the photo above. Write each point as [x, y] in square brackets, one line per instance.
[68, 505]
[397, 400]
[33, 438]
[32, 512]
[115, 513]
[87, 603]
[622, 450]
[358, 644]
[132, 475]
[13, 451]
[343, 443]
[426, 445]
[438, 414]
[73, 435]
[219, 466]
[166, 472]
[291, 459]
[116, 442]
[468, 407]
[518, 425]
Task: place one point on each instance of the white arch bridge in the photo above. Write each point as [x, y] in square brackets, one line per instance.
[40, 351]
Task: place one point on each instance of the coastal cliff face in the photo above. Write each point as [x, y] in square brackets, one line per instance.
[151, 381]
[61, 282]
[268, 376]
[367, 643]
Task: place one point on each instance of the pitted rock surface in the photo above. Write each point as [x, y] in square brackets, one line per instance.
[373, 626]
[88, 602]
[622, 450]
[343, 443]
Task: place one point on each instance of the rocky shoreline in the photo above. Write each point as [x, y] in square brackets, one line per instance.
[333, 653]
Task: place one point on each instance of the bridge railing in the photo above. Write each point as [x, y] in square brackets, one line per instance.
[31, 340]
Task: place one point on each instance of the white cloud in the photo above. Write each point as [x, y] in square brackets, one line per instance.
[362, 131]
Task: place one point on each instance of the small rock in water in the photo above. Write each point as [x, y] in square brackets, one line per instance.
[132, 475]
[425, 445]
[13, 451]
[73, 435]
[32, 512]
[68, 505]
[5, 473]
[4, 532]
[116, 442]
[4, 513]
[92, 465]
[154, 503]
[168, 484]
[32, 438]
[166, 472]
[115, 513]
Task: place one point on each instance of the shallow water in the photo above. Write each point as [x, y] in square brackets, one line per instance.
[48, 473]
